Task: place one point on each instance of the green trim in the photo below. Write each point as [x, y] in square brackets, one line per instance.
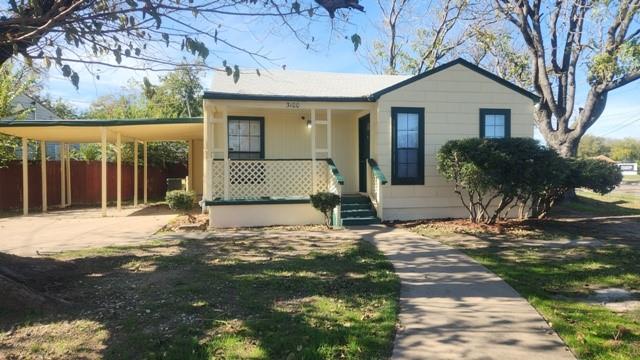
[377, 172]
[419, 178]
[260, 201]
[468, 65]
[335, 171]
[85, 122]
[214, 95]
[507, 120]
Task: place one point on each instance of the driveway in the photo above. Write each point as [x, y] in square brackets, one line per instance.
[451, 307]
[73, 229]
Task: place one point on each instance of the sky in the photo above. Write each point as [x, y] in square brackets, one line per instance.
[330, 52]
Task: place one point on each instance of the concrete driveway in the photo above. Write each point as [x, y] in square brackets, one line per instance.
[73, 229]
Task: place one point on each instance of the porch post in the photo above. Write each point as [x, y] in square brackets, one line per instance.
[190, 166]
[144, 172]
[207, 152]
[313, 151]
[135, 173]
[329, 133]
[68, 173]
[63, 180]
[103, 171]
[227, 171]
[118, 171]
[43, 173]
[25, 176]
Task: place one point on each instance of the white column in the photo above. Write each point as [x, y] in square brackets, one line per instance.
[144, 172]
[43, 176]
[329, 133]
[25, 176]
[190, 167]
[313, 150]
[207, 152]
[103, 181]
[68, 174]
[63, 180]
[227, 170]
[135, 173]
[118, 171]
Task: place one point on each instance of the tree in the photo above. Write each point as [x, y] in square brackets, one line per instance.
[560, 36]
[59, 106]
[13, 83]
[66, 33]
[179, 93]
[625, 150]
[415, 38]
[592, 146]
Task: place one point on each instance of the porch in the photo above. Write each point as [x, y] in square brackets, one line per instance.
[264, 159]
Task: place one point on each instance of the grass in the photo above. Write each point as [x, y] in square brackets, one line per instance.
[631, 178]
[556, 276]
[613, 204]
[254, 296]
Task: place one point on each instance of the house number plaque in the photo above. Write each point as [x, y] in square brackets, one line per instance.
[293, 105]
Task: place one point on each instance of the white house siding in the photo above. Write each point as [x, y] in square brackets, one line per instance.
[452, 100]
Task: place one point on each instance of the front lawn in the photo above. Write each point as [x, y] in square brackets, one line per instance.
[558, 265]
[589, 203]
[256, 294]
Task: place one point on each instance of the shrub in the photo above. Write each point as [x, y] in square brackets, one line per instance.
[492, 177]
[181, 200]
[325, 202]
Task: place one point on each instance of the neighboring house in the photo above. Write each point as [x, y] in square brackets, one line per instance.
[272, 140]
[36, 111]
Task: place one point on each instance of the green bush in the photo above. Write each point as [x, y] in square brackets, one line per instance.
[492, 177]
[325, 202]
[181, 200]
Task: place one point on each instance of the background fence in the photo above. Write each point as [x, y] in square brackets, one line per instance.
[85, 183]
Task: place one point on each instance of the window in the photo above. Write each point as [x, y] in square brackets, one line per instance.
[246, 138]
[407, 125]
[495, 123]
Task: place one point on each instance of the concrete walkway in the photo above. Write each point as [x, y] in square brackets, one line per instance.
[453, 308]
[40, 234]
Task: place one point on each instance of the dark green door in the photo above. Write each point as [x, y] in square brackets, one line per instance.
[363, 151]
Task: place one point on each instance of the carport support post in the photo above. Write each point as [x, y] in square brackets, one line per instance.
[119, 171]
[190, 166]
[135, 173]
[43, 173]
[63, 180]
[144, 172]
[68, 173]
[25, 176]
[103, 174]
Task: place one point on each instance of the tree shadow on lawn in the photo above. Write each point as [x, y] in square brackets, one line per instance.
[192, 299]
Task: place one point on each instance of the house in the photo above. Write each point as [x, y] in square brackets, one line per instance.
[272, 139]
[36, 111]
[267, 142]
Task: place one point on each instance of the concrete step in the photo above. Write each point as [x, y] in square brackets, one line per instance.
[360, 221]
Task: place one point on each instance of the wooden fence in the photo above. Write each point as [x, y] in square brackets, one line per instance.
[85, 183]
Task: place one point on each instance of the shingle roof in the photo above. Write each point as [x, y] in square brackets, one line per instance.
[318, 86]
[304, 84]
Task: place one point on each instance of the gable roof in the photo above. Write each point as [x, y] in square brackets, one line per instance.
[332, 87]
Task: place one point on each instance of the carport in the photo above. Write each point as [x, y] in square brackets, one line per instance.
[118, 132]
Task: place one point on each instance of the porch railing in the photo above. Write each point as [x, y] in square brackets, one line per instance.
[375, 180]
[257, 179]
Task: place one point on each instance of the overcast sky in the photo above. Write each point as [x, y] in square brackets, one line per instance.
[330, 52]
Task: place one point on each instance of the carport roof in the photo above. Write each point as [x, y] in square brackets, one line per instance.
[88, 131]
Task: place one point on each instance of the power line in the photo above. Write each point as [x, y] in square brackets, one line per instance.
[622, 126]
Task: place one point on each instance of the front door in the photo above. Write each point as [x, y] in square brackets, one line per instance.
[363, 151]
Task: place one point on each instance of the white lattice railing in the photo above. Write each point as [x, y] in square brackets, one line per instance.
[375, 180]
[253, 179]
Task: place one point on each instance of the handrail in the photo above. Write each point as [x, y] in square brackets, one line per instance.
[377, 172]
[335, 171]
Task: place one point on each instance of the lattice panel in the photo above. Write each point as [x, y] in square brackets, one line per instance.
[217, 179]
